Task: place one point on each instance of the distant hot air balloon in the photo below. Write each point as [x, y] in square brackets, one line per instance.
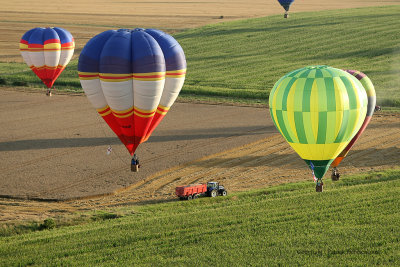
[47, 52]
[286, 5]
[318, 110]
[132, 78]
[370, 90]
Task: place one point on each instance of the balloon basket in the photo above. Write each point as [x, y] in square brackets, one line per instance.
[335, 175]
[286, 15]
[319, 187]
[135, 167]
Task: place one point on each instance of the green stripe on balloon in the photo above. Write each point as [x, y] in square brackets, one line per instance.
[301, 135]
[350, 91]
[343, 127]
[281, 123]
[322, 127]
[307, 95]
[286, 93]
[330, 94]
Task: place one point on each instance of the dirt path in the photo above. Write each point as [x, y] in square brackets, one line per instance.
[239, 157]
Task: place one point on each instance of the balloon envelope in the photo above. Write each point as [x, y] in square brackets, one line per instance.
[132, 78]
[318, 110]
[286, 4]
[370, 90]
[47, 52]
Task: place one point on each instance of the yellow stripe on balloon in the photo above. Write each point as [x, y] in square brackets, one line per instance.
[145, 111]
[52, 46]
[105, 113]
[162, 107]
[274, 110]
[318, 151]
[144, 115]
[102, 109]
[314, 108]
[23, 46]
[161, 112]
[115, 80]
[124, 115]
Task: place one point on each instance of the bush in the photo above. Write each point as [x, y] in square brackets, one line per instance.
[20, 83]
[2, 81]
[47, 224]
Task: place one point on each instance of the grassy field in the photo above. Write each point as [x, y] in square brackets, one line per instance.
[242, 60]
[356, 221]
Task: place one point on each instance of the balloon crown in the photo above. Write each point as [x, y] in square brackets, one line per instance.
[134, 30]
[317, 67]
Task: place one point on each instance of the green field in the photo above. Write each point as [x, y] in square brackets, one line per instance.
[242, 60]
[356, 221]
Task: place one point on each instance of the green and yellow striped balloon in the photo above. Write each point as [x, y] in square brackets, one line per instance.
[318, 110]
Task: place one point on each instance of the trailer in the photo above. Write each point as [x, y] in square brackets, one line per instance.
[193, 191]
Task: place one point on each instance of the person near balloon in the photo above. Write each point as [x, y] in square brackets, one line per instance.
[135, 163]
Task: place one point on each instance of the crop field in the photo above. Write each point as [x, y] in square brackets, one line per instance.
[242, 60]
[355, 223]
[54, 171]
[84, 19]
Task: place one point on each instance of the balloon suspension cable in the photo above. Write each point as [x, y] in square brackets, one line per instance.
[109, 148]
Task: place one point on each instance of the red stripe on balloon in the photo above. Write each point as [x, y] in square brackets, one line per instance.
[35, 45]
[51, 41]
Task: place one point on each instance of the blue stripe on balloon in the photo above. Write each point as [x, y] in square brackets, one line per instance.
[131, 51]
[173, 52]
[116, 54]
[28, 34]
[64, 35]
[90, 56]
[49, 33]
[37, 36]
[147, 55]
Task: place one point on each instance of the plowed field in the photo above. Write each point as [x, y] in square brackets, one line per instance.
[55, 149]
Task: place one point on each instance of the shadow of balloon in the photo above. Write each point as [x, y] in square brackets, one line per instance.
[357, 158]
[385, 125]
[210, 133]
[225, 31]
[370, 53]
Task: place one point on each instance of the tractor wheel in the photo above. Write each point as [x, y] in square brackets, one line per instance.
[224, 193]
[195, 196]
[214, 193]
[189, 197]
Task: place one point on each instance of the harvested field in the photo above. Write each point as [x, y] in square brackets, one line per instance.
[65, 158]
[84, 19]
[55, 148]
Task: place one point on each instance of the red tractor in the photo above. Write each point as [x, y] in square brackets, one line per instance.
[193, 191]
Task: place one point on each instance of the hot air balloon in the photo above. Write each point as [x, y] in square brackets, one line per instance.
[370, 90]
[132, 78]
[318, 110]
[47, 52]
[286, 5]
